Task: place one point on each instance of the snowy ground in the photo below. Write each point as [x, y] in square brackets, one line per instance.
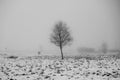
[54, 69]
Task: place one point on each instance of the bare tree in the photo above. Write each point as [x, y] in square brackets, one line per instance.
[104, 48]
[61, 36]
[39, 53]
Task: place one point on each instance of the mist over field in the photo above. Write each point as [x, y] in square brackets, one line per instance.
[26, 25]
[59, 39]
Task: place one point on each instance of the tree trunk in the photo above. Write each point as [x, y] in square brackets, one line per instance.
[61, 52]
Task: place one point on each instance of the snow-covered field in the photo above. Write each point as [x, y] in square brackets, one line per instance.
[55, 69]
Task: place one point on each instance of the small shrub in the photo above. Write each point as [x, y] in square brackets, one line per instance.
[13, 57]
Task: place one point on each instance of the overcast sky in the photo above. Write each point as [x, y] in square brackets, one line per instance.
[26, 25]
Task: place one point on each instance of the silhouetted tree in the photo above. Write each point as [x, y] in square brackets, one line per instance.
[61, 36]
[39, 52]
[104, 48]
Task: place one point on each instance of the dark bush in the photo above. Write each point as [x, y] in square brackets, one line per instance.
[13, 57]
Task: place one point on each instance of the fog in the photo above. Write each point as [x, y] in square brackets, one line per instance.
[26, 25]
